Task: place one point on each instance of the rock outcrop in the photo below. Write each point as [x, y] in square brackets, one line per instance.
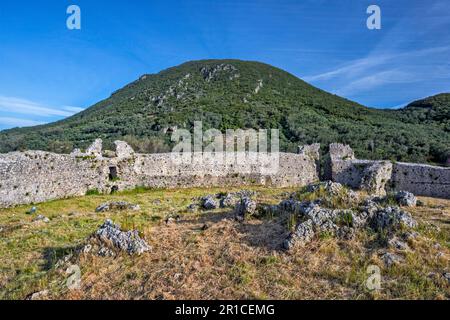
[111, 236]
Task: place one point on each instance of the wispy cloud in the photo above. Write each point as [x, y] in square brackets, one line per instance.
[23, 106]
[385, 68]
[19, 112]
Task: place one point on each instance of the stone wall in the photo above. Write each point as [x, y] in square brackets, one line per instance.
[36, 176]
[422, 179]
[377, 176]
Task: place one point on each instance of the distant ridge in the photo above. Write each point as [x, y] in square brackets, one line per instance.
[243, 94]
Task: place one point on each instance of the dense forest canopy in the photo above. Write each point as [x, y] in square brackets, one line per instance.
[232, 94]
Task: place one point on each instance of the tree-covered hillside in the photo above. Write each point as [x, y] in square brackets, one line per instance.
[239, 94]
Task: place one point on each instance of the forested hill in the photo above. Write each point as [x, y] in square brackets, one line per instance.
[241, 94]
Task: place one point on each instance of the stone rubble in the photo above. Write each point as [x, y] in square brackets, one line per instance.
[111, 236]
[406, 199]
[392, 218]
[245, 207]
[117, 205]
[391, 259]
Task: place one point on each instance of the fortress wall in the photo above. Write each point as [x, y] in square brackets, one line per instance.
[421, 179]
[36, 176]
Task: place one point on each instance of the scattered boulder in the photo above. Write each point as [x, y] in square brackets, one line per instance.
[41, 218]
[392, 218]
[229, 200]
[244, 208]
[406, 199]
[330, 187]
[117, 205]
[209, 203]
[111, 236]
[171, 219]
[395, 243]
[315, 219]
[391, 259]
[304, 232]
[192, 208]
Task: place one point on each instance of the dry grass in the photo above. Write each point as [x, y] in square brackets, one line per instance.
[228, 260]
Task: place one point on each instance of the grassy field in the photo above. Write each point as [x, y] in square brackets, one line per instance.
[228, 260]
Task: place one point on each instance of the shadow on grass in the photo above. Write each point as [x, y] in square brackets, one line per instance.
[258, 231]
[52, 255]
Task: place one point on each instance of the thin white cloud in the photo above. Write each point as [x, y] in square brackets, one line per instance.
[23, 106]
[360, 66]
[18, 122]
[376, 80]
[73, 109]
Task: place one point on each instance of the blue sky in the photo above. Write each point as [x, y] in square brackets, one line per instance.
[48, 72]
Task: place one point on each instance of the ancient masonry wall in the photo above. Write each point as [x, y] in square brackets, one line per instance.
[378, 176]
[36, 176]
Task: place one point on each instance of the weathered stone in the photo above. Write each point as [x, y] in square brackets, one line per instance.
[110, 235]
[391, 259]
[41, 218]
[209, 202]
[229, 200]
[330, 187]
[304, 232]
[341, 152]
[345, 233]
[392, 218]
[38, 295]
[375, 178]
[95, 149]
[117, 205]
[192, 208]
[244, 208]
[123, 150]
[405, 198]
[398, 244]
[76, 153]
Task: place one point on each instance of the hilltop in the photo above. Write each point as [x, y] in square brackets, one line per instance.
[231, 94]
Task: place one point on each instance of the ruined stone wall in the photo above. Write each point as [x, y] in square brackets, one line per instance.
[377, 176]
[422, 179]
[35, 176]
